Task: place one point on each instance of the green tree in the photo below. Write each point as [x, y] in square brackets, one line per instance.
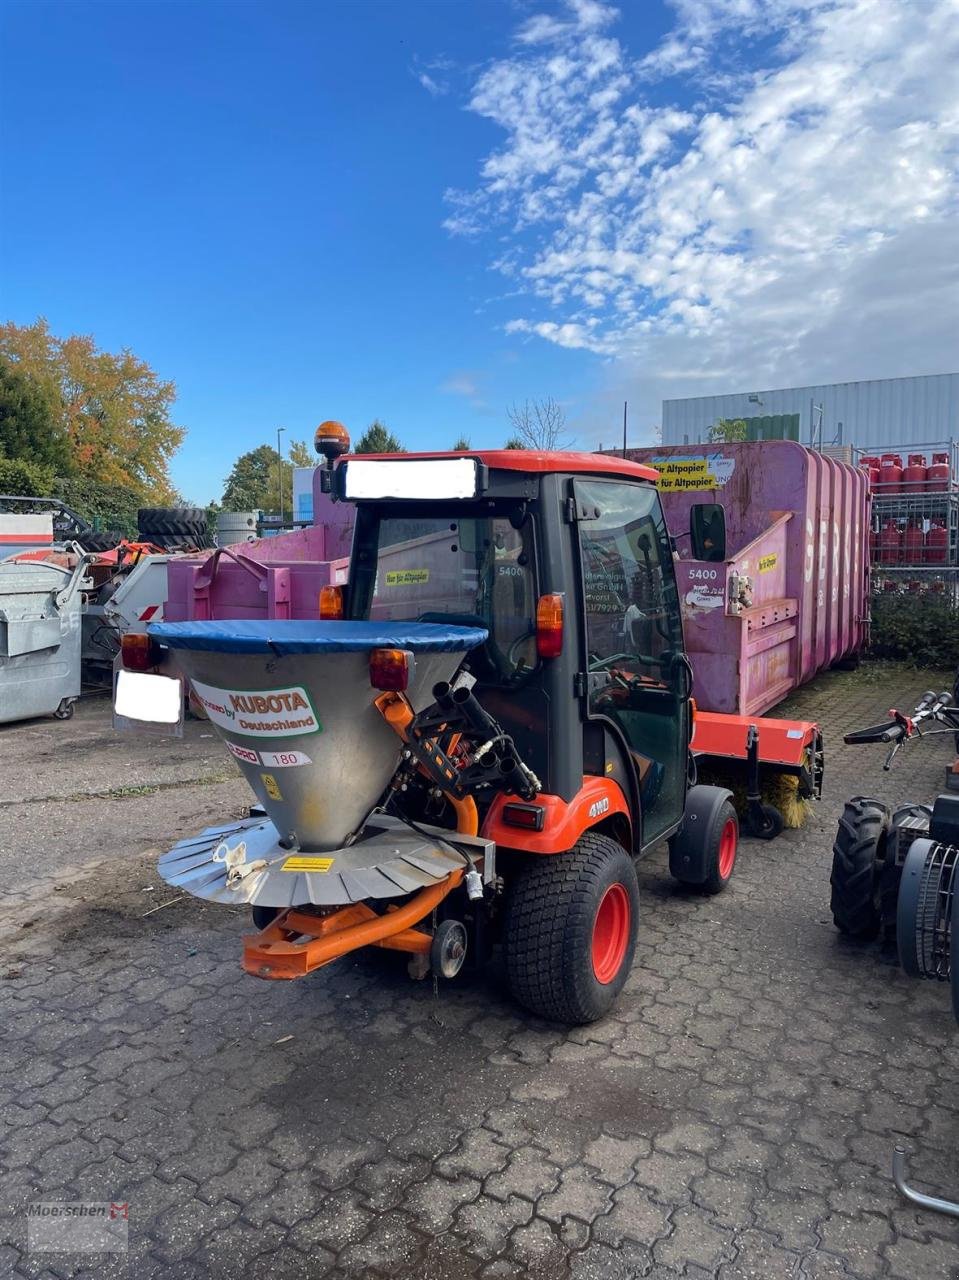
[112, 409]
[25, 479]
[377, 438]
[301, 455]
[253, 482]
[727, 431]
[514, 442]
[462, 445]
[28, 429]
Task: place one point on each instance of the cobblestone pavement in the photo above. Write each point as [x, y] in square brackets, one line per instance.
[734, 1118]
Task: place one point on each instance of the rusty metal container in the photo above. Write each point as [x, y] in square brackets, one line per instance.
[791, 597]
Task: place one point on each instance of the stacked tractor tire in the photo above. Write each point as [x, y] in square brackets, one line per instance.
[174, 528]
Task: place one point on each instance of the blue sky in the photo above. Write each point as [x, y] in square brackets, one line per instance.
[424, 212]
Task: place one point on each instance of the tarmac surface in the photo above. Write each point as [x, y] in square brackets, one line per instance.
[734, 1117]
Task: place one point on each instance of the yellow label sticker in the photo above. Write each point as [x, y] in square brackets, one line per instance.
[768, 562]
[272, 786]
[321, 865]
[682, 474]
[407, 577]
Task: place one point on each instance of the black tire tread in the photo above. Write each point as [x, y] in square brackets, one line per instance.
[104, 540]
[857, 857]
[549, 921]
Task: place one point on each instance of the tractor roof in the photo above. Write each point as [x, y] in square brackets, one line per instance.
[536, 462]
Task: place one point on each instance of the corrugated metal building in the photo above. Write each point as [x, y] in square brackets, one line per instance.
[882, 413]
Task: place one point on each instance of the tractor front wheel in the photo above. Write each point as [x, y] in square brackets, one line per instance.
[857, 864]
[570, 930]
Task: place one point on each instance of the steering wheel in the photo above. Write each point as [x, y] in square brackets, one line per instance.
[512, 656]
[604, 664]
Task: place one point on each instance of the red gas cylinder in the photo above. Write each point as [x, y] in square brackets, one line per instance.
[914, 474]
[890, 543]
[938, 474]
[870, 465]
[890, 473]
[937, 543]
[914, 543]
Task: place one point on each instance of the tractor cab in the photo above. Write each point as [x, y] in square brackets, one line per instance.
[565, 560]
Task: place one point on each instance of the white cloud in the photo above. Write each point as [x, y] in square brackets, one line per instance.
[461, 384]
[430, 85]
[788, 215]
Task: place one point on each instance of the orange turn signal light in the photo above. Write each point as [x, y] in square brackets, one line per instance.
[390, 669]
[549, 626]
[138, 652]
[331, 604]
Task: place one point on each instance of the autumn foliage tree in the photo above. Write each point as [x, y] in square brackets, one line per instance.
[110, 411]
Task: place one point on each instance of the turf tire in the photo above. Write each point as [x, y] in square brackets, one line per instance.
[551, 910]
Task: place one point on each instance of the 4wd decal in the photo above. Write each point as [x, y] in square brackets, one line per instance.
[261, 713]
[598, 807]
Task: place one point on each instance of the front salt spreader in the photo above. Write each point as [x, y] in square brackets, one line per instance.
[344, 731]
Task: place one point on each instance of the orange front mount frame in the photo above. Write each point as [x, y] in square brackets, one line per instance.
[302, 939]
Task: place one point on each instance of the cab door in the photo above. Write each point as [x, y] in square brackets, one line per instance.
[637, 677]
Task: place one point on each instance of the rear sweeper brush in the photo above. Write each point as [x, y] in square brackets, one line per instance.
[477, 738]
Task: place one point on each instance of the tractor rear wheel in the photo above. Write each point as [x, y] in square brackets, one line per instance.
[570, 930]
[857, 863]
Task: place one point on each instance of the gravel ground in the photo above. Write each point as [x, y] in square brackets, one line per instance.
[734, 1117]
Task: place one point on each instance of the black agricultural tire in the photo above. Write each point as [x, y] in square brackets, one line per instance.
[179, 542]
[551, 911]
[858, 855]
[716, 880]
[91, 540]
[171, 520]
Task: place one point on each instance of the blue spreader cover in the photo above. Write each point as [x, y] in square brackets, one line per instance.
[272, 635]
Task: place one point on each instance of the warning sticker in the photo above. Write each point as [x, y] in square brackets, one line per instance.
[285, 759]
[677, 475]
[272, 786]
[261, 713]
[319, 865]
[407, 577]
[243, 753]
[768, 562]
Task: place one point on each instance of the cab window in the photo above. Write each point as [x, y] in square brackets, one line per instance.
[471, 570]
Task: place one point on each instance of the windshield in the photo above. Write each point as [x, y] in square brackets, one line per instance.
[474, 570]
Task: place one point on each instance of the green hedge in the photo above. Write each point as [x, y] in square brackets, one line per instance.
[921, 629]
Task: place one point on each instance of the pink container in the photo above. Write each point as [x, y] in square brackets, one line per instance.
[792, 596]
[230, 584]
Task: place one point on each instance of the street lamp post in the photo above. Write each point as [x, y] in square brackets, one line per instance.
[279, 471]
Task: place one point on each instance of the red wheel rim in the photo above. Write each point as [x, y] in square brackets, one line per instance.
[611, 933]
[727, 849]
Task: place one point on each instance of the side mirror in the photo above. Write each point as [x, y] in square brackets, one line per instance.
[707, 531]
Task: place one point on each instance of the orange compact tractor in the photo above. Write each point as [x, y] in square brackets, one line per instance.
[485, 729]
